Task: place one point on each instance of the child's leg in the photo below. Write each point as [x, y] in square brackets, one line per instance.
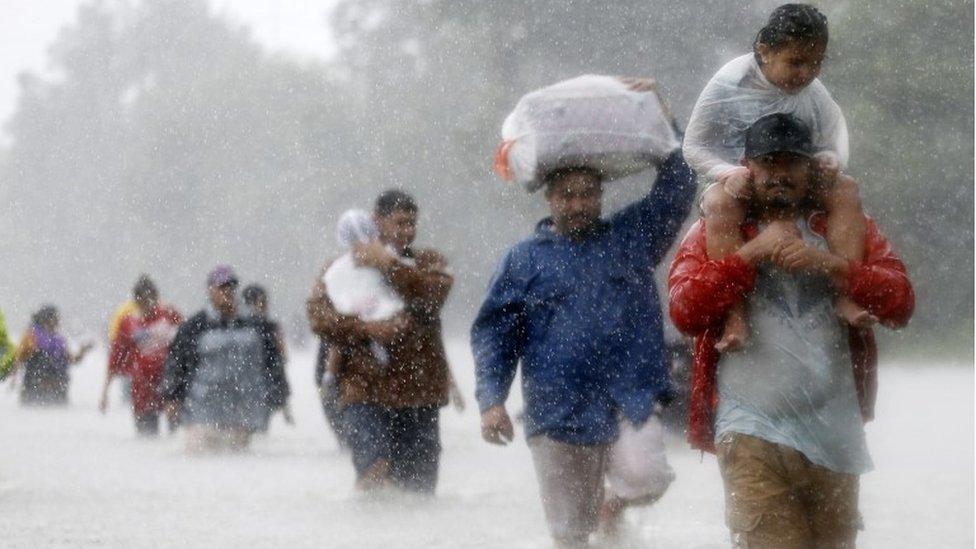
[724, 215]
[846, 227]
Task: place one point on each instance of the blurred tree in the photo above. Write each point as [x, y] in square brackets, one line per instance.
[438, 77]
[905, 81]
[167, 141]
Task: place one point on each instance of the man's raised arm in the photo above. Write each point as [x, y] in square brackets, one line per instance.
[653, 221]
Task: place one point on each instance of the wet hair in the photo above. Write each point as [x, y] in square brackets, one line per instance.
[394, 200]
[555, 175]
[791, 23]
[145, 288]
[253, 294]
[45, 315]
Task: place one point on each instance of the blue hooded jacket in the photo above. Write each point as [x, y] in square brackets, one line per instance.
[584, 318]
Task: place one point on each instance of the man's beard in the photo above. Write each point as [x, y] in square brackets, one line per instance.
[580, 225]
[779, 202]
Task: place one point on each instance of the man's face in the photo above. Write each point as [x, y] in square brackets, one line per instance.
[224, 297]
[575, 201]
[780, 180]
[398, 229]
[147, 301]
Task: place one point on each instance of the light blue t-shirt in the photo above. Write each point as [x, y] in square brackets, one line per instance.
[793, 383]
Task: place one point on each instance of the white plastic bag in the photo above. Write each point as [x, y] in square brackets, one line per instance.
[589, 121]
[638, 465]
[737, 96]
[354, 290]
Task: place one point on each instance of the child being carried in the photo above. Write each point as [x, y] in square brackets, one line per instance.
[358, 291]
[779, 76]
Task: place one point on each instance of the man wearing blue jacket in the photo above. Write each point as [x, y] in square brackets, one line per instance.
[576, 303]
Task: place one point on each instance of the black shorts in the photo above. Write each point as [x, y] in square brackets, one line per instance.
[408, 438]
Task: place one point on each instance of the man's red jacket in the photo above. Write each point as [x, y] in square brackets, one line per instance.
[702, 291]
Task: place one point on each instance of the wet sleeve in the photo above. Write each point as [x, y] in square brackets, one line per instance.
[653, 222]
[833, 138]
[327, 323]
[702, 291]
[26, 348]
[498, 334]
[120, 352]
[180, 363]
[708, 144]
[425, 286]
[880, 282]
[278, 389]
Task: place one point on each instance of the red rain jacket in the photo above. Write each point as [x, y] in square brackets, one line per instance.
[139, 351]
[702, 291]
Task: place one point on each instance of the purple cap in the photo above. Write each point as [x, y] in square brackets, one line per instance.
[221, 275]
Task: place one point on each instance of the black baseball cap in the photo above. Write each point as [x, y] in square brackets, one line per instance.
[778, 133]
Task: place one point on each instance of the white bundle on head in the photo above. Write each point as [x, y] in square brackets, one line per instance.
[589, 121]
[356, 227]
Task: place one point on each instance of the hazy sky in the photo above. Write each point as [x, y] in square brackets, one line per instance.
[28, 27]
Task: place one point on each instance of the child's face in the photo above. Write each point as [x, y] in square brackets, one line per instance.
[793, 66]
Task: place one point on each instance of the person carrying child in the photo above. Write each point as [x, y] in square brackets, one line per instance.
[378, 307]
[779, 76]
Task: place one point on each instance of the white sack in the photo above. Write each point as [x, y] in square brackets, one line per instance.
[737, 96]
[590, 121]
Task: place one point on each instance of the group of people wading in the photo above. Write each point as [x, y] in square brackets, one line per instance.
[779, 283]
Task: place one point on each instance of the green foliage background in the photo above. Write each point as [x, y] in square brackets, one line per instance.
[168, 139]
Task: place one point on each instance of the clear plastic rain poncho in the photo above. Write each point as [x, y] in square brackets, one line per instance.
[589, 121]
[355, 290]
[738, 95]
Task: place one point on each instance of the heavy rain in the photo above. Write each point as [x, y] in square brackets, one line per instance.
[459, 273]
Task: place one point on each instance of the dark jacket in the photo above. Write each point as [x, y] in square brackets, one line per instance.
[584, 319]
[181, 365]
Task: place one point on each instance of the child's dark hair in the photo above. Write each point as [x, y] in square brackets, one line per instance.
[254, 294]
[792, 23]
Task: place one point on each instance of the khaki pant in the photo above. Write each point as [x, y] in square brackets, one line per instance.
[776, 498]
[571, 486]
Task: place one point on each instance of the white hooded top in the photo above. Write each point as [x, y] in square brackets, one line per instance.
[738, 95]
